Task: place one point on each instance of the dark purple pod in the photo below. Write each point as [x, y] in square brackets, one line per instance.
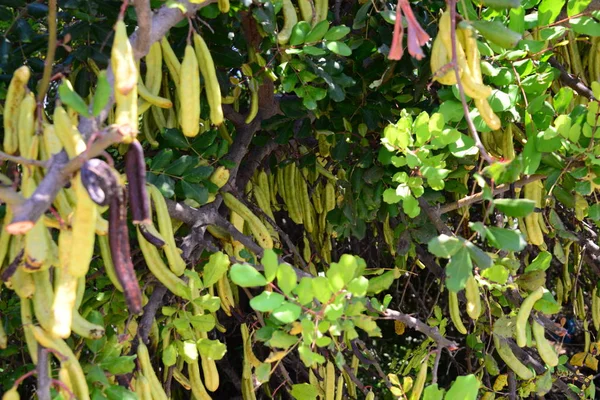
[135, 168]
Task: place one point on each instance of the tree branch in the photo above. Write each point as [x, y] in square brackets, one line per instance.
[461, 90]
[57, 176]
[162, 21]
[49, 61]
[422, 327]
[144, 22]
[571, 81]
[43, 376]
[478, 197]
[150, 309]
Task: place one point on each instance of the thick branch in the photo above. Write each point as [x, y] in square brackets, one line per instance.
[422, 327]
[49, 53]
[252, 163]
[162, 21]
[478, 197]
[526, 358]
[150, 309]
[571, 81]
[434, 217]
[57, 176]
[144, 22]
[43, 376]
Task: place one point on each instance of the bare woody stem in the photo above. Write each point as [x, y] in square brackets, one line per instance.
[49, 61]
[461, 90]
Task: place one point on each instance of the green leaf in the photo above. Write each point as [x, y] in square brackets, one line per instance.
[358, 286]
[464, 388]
[116, 392]
[548, 11]
[69, 97]
[263, 372]
[540, 263]
[594, 212]
[118, 365]
[339, 48]
[337, 32]
[314, 51]
[444, 246]
[458, 270]
[267, 301]
[245, 275]
[193, 191]
[175, 138]
[310, 95]
[203, 322]
[217, 266]
[304, 291]
[501, 5]
[270, 263]
[304, 391]
[500, 101]
[308, 357]
[382, 282]
[432, 392]
[282, 340]
[189, 350]
[181, 165]
[515, 207]
[208, 302]
[169, 355]
[547, 304]
[287, 312]
[342, 272]
[497, 33]
[286, 278]
[102, 94]
[505, 239]
[497, 273]
[299, 32]
[479, 257]
[161, 160]
[321, 289]
[318, 32]
[575, 7]
[390, 196]
[211, 349]
[585, 25]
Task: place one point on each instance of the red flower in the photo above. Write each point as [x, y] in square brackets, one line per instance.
[417, 37]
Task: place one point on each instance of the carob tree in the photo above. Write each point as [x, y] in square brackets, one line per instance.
[299, 199]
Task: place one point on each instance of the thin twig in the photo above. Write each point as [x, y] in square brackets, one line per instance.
[436, 364]
[57, 176]
[571, 81]
[10, 197]
[150, 309]
[478, 197]
[43, 376]
[22, 160]
[49, 61]
[422, 327]
[144, 23]
[461, 90]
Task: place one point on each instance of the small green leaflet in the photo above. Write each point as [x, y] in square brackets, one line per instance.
[515, 207]
[69, 97]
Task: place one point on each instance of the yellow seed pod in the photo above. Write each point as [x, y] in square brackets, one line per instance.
[122, 61]
[189, 86]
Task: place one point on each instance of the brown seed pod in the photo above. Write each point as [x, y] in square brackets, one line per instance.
[150, 237]
[135, 168]
[99, 180]
[118, 239]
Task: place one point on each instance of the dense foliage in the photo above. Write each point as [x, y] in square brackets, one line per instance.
[324, 200]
